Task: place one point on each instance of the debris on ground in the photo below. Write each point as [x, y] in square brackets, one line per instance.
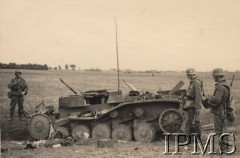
[57, 145]
[105, 143]
[60, 142]
[4, 150]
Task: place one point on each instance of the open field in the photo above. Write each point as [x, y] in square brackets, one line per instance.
[45, 86]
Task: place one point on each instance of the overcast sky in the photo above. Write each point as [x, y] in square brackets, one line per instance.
[152, 34]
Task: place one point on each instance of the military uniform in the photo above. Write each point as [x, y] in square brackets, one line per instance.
[219, 99]
[194, 94]
[192, 104]
[217, 103]
[18, 88]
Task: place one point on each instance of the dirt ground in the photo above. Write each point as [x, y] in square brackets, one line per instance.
[119, 149]
[45, 86]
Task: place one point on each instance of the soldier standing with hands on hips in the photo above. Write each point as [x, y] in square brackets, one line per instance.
[18, 88]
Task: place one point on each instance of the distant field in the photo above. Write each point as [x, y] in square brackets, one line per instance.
[46, 86]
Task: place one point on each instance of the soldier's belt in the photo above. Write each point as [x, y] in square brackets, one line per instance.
[190, 98]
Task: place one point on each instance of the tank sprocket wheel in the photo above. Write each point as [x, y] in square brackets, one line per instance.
[170, 121]
[122, 132]
[39, 126]
[61, 132]
[101, 131]
[144, 132]
[80, 132]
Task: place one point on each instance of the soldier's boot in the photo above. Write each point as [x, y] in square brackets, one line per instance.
[20, 117]
[11, 115]
[223, 145]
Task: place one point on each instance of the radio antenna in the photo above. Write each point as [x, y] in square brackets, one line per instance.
[117, 55]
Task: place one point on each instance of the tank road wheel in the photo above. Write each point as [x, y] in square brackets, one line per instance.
[144, 132]
[61, 132]
[81, 132]
[170, 121]
[101, 131]
[122, 132]
[39, 126]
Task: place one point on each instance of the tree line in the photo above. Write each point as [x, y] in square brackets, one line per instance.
[24, 66]
[31, 66]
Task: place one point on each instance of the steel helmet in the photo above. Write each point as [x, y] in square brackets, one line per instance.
[18, 72]
[218, 72]
[191, 71]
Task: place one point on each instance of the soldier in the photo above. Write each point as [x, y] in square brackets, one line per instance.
[218, 100]
[18, 88]
[193, 103]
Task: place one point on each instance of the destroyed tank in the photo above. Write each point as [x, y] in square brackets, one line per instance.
[104, 114]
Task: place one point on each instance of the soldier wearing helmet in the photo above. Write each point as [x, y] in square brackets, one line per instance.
[218, 100]
[193, 103]
[18, 88]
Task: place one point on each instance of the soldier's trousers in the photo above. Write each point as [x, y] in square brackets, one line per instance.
[185, 126]
[193, 126]
[14, 101]
[218, 124]
[219, 127]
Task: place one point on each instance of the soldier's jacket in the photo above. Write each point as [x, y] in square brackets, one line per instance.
[220, 97]
[17, 86]
[195, 92]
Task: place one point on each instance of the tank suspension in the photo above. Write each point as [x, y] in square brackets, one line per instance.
[138, 112]
[61, 132]
[144, 132]
[122, 132]
[101, 131]
[39, 126]
[114, 114]
[80, 132]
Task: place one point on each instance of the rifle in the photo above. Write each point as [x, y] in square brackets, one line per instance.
[228, 109]
[68, 86]
[232, 80]
[202, 86]
[230, 87]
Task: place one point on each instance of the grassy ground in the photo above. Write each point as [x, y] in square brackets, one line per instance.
[45, 86]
